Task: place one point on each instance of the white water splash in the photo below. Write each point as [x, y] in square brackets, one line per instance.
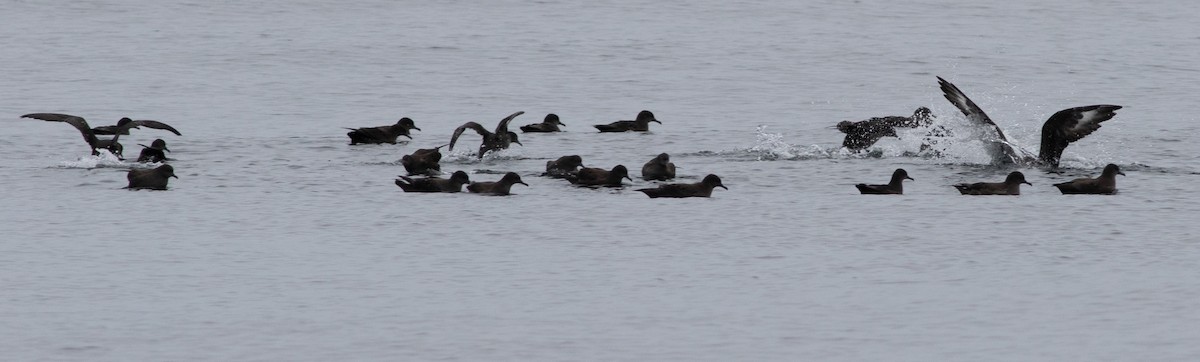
[104, 160]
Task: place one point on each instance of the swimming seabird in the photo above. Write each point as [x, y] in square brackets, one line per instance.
[434, 184]
[1066, 126]
[423, 161]
[499, 188]
[592, 176]
[1010, 186]
[659, 168]
[642, 124]
[893, 187]
[155, 152]
[703, 188]
[550, 124]
[382, 134]
[498, 140]
[89, 136]
[563, 166]
[863, 134]
[154, 179]
[1106, 184]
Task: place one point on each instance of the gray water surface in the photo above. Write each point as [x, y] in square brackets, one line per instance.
[281, 242]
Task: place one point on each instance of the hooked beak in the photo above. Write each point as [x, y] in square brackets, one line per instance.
[655, 121]
[414, 127]
[166, 149]
[1120, 173]
[910, 178]
[1027, 183]
[173, 175]
[519, 143]
[409, 137]
[723, 186]
[523, 183]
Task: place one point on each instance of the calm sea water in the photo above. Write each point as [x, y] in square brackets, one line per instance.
[281, 242]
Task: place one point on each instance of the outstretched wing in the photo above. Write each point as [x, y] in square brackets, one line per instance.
[154, 125]
[1070, 125]
[469, 125]
[968, 107]
[74, 121]
[502, 128]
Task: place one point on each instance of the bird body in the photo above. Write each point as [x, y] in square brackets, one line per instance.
[434, 184]
[641, 124]
[498, 188]
[563, 166]
[498, 140]
[425, 161]
[1010, 186]
[153, 179]
[382, 134]
[1106, 184]
[659, 168]
[549, 124]
[592, 176]
[703, 188]
[893, 187]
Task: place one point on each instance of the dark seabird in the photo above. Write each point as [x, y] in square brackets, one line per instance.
[90, 137]
[498, 188]
[863, 134]
[1066, 126]
[154, 179]
[1010, 186]
[382, 134]
[1106, 184]
[155, 152]
[498, 140]
[659, 169]
[642, 124]
[550, 124]
[434, 184]
[114, 129]
[702, 189]
[893, 187]
[563, 166]
[591, 176]
[424, 161]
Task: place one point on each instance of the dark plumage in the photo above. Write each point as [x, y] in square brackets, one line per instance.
[1010, 186]
[563, 166]
[591, 176]
[154, 179]
[550, 124]
[1106, 184]
[863, 134]
[424, 161]
[659, 168]
[498, 188]
[434, 184]
[642, 124]
[893, 187]
[155, 152]
[118, 128]
[382, 134]
[90, 137]
[702, 189]
[1065, 126]
[498, 140]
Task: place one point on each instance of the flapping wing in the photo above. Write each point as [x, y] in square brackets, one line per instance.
[502, 128]
[154, 125]
[74, 121]
[968, 107]
[469, 125]
[1070, 125]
